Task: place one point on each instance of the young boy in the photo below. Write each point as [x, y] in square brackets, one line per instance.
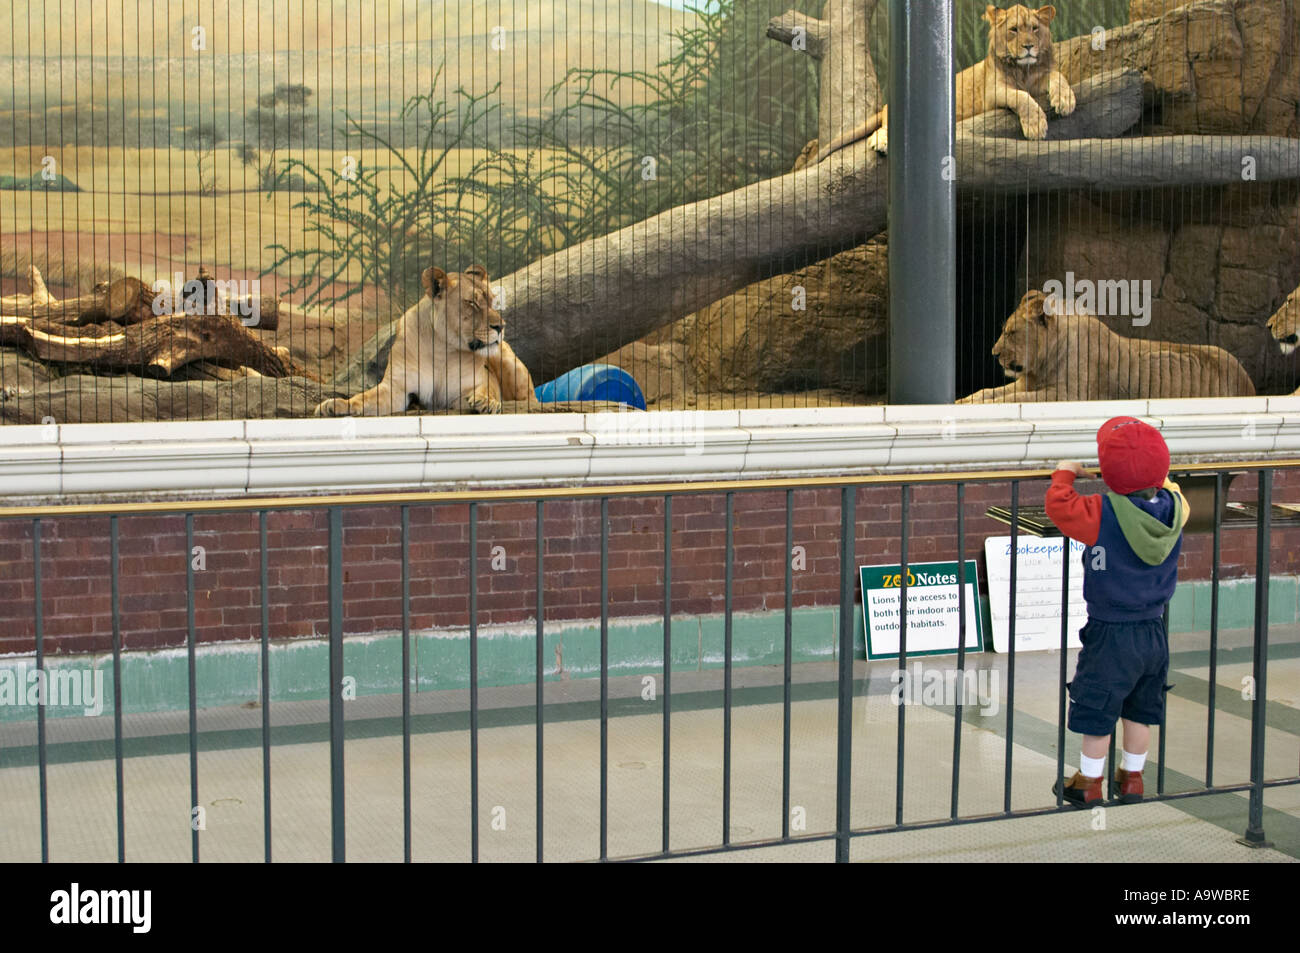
[1132, 536]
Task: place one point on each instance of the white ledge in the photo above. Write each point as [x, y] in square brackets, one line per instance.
[262, 457]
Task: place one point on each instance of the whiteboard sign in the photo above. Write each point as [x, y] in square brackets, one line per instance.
[1038, 592]
[932, 609]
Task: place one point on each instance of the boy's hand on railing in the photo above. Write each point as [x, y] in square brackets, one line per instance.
[1075, 467]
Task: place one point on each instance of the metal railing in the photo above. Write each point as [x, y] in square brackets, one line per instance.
[843, 833]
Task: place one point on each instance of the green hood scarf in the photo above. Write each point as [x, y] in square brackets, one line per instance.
[1150, 539]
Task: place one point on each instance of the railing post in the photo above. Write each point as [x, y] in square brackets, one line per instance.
[1060, 690]
[844, 735]
[336, 683]
[1254, 836]
[115, 585]
[191, 639]
[39, 620]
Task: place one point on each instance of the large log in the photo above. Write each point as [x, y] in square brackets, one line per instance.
[592, 298]
[1000, 165]
[848, 90]
[849, 93]
[158, 347]
[126, 301]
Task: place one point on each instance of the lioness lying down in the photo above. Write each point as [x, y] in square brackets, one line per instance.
[449, 352]
[1285, 325]
[1076, 357]
[1018, 67]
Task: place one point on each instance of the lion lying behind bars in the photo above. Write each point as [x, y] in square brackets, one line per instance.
[449, 352]
[1285, 325]
[1052, 356]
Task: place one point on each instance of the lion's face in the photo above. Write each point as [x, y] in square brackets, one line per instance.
[1018, 35]
[1025, 337]
[1285, 325]
[466, 299]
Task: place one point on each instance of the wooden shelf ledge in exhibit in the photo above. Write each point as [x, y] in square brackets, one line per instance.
[543, 454]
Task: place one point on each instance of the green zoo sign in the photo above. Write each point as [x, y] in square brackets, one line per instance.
[933, 607]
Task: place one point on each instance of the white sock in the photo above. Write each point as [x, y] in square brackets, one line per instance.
[1134, 762]
[1092, 767]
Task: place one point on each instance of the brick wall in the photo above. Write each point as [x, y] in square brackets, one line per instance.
[76, 562]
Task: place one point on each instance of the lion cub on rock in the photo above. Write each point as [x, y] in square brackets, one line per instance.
[1053, 356]
[449, 352]
[1018, 67]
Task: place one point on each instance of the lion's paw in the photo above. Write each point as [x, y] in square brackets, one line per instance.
[1062, 98]
[879, 140]
[335, 407]
[482, 404]
[1034, 124]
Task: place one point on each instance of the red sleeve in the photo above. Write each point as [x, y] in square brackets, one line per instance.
[1078, 517]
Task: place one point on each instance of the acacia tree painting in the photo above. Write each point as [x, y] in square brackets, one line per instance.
[279, 119]
[203, 138]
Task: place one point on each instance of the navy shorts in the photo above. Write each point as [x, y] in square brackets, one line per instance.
[1120, 673]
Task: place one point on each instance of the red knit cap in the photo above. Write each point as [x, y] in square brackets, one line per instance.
[1133, 456]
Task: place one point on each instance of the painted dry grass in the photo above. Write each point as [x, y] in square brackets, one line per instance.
[155, 192]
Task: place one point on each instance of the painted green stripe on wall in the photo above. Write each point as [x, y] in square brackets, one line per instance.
[229, 673]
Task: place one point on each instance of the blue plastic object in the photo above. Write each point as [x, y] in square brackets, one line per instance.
[594, 382]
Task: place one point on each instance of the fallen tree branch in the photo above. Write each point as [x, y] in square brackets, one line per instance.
[594, 297]
[786, 27]
[158, 347]
[126, 301]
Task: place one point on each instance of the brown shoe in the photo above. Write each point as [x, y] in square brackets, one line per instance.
[1081, 791]
[1128, 786]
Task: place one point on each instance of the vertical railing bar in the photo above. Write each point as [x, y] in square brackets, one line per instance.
[668, 664]
[1160, 764]
[1214, 629]
[726, 671]
[961, 645]
[539, 666]
[40, 705]
[604, 678]
[473, 682]
[1110, 774]
[902, 649]
[406, 683]
[844, 699]
[1259, 657]
[1060, 687]
[264, 583]
[789, 645]
[190, 639]
[117, 687]
[338, 834]
[1011, 647]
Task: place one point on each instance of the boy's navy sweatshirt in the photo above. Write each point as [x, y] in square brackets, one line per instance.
[1130, 563]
